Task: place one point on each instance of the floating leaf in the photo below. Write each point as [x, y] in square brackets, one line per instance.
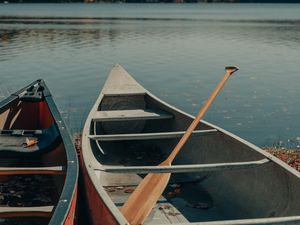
[129, 190]
[177, 191]
[30, 143]
[164, 207]
[170, 194]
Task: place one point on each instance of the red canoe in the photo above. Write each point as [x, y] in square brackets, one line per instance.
[38, 162]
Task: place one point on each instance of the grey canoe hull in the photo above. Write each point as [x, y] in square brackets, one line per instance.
[217, 178]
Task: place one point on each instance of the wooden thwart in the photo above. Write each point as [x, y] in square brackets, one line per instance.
[184, 168]
[51, 170]
[149, 136]
[16, 212]
[126, 115]
[21, 132]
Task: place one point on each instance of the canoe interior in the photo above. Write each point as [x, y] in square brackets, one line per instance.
[29, 190]
[266, 191]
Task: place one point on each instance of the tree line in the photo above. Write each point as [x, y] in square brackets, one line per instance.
[153, 1]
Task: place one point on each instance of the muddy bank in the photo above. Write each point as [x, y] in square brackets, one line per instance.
[289, 156]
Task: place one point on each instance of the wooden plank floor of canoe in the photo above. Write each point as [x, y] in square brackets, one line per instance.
[118, 184]
[190, 206]
[164, 212]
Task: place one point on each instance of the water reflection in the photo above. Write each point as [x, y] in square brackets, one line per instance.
[278, 31]
[180, 60]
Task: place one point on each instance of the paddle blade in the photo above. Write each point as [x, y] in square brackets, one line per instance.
[140, 203]
[231, 69]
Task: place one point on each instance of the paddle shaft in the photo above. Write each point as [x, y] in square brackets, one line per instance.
[199, 116]
[140, 203]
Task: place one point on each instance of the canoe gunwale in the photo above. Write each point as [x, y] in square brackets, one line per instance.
[91, 162]
[69, 190]
[70, 185]
[87, 159]
[260, 221]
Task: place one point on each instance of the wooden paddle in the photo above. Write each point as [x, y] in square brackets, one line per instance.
[140, 203]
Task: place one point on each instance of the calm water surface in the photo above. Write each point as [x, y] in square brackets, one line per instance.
[178, 52]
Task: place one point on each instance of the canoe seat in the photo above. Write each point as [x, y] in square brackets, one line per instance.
[183, 168]
[127, 115]
[13, 142]
[17, 212]
[52, 170]
[149, 136]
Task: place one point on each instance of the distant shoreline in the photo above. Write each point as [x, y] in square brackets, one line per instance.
[155, 1]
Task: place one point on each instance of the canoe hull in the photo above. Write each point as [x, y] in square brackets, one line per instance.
[98, 212]
[71, 217]
[36, 150]
[232, 182]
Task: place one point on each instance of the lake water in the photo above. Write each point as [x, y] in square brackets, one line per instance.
[177, 51]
